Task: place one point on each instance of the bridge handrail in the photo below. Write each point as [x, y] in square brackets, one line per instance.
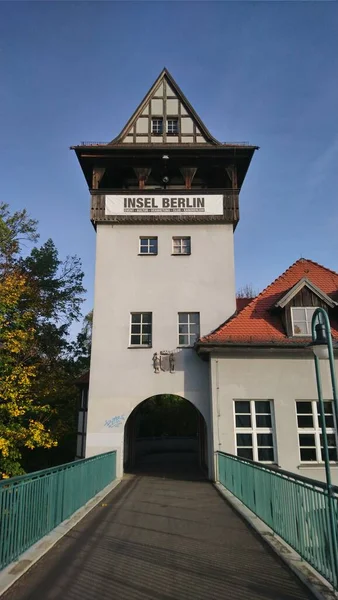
[295, 507]
[32, 505]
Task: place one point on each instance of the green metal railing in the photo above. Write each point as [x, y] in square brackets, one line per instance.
[32, 505]
[296, 508]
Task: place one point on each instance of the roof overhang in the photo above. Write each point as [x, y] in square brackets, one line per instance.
[231, 347]
[90, 156]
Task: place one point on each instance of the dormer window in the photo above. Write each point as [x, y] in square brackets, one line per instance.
[157, 126]
[301, 317]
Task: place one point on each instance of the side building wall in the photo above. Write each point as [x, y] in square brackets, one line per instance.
[121, 377]
[279, 378]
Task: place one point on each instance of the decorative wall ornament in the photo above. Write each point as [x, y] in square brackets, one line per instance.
[164, 361]
[157, 362]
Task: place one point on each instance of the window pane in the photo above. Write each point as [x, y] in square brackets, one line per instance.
[244, 439]
[194, 318]
[146, 328]
[307, 439]
[309, 313]
[328, 408]
[332, 454]
[242, 406]
[245, 453]
[136, 318]
[305, 421]
[300, 327]
[183, 328]
[264, 439]
[183, 340]
[308, 454]
[304, 408]
[243, 421]
[265, 454]
[146, 317]
[195, 328]
[136, 328]
[193, 338]
[135, 339]
[146, 339]
[331, 439]
[262, 406]
[183, 317]
[298, 313]
[328, 421]
[153, 246]
[263, 421]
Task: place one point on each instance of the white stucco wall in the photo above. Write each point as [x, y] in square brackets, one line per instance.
[203, 282]
[273, 377]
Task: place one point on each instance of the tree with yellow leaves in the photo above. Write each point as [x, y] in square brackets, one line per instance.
[39, 297]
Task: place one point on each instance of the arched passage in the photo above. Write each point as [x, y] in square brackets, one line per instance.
[164, 431]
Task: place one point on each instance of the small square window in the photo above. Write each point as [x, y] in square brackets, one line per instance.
[157, 126]
[301, 317]
[172, 126]
[188, 328]
[141, 329]
[181, 245]
[148, 245]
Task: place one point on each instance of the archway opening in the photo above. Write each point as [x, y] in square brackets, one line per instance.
[166, 434]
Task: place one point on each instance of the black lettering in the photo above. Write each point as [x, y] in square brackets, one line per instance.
[181, 202]
[147, 202]
[200, 202]
[165, 202]
[139, 202]
[131, 202]
[173, 203]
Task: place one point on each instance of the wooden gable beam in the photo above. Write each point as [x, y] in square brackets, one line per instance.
[188, 175]
[142, 174]
[232, 174]
[98, 173]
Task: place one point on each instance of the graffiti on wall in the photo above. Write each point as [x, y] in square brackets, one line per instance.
[115, 421]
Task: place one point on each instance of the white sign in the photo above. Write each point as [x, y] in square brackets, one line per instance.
[134, 204]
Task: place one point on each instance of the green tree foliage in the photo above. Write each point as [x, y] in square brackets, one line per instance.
[40, 297]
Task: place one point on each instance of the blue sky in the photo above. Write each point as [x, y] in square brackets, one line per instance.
[263, 72]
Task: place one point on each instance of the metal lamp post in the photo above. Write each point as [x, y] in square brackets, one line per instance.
[323, 349]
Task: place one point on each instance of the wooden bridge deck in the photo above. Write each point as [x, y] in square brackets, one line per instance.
[163, 534]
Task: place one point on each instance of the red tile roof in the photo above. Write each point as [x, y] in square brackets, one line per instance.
[256, 323]
[242, 303]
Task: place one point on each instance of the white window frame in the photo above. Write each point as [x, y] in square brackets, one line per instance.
[316, 431]
[180, 246]
[141, 313]
[155, 131]
[188, 323]
[307, 320]
[142, 238]
[174, 120]
[254, 430]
